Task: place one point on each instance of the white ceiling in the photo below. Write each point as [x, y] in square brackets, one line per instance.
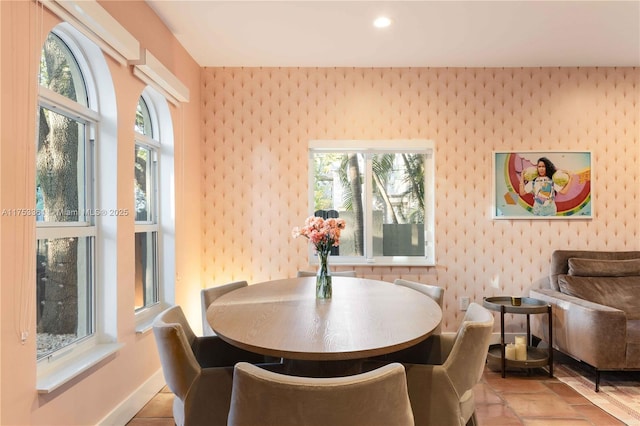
[424, 33]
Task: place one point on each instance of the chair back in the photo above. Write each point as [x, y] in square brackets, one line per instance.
[202, 395]
[175, 315]
[351, 274]
[466, 361]
[179, 365]
[433, 291]
[208, 295]
[443, 394]
[377, 397]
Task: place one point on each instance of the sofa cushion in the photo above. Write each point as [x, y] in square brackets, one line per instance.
[603, 268]
[617, 292]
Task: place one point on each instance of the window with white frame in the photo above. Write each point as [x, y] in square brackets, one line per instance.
[65, 202]
[146, 208]
[154, 205]
[385, 192]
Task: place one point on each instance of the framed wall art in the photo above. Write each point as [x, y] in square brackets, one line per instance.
[542, 185]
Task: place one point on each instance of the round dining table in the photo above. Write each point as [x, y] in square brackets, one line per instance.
[364, 318]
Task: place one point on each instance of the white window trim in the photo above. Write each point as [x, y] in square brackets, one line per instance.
[61, 367]
[99, 26]
[56, 374]
[393, 146]
[63, 105]
[163, 141]
[152, 226]
[153, 72]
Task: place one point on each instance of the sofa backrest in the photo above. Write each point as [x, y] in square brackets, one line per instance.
[560, 261]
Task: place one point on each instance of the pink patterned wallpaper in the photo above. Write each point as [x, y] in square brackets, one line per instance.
[257, 123]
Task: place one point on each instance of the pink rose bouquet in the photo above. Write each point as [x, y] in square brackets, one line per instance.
[322, 233]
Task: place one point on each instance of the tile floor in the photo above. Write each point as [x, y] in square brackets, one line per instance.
[532, 399]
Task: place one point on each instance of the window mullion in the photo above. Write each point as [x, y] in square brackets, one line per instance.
[146, 227]
[146, 140]
[154, 177]
[53, 232]
[65, 106]
[89, 194]
[429, 201]
[368, 208]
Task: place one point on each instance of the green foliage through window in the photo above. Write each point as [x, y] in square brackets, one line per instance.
[383, 195]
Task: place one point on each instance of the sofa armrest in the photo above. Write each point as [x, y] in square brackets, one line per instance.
[587, 331]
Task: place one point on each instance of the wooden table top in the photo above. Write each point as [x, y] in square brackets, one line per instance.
[364, 318]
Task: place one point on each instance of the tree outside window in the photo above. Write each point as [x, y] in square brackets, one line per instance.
[383, 190]
[146, 210]
[64, 199]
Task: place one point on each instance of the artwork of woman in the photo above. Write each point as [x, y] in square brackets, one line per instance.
[544, 182]
[542, 185]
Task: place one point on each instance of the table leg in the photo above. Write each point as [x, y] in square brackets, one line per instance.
[502, 343]
[550, 341]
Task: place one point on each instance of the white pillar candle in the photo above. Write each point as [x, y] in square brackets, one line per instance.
[510, 351]
[521, 339]
[521, 351]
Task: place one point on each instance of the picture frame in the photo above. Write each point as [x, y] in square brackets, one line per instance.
[522, 188]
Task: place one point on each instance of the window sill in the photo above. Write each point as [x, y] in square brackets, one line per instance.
[377, 261]
[144, 318]
[74, 366]
[144, 326]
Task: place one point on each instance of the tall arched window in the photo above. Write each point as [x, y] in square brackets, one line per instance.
[77, 209]
[146, 207]
[154, 208]
[65, 201]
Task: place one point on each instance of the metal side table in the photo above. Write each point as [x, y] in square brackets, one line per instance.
[535, 357]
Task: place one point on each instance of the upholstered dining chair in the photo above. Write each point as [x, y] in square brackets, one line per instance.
[202, 392]
[208, 295]
[263, 397]
[417, 352]
[433, 291]
[333, 273]
[441, 387]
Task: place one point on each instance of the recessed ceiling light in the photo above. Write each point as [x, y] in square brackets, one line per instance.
[381, 22]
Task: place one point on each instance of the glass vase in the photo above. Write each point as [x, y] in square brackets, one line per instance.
[323, 277]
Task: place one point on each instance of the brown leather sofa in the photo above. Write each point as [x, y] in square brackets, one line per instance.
[595, 299]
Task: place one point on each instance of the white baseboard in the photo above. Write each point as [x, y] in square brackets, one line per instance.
[133, 403]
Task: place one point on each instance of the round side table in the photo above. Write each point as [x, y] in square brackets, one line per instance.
[528, 306]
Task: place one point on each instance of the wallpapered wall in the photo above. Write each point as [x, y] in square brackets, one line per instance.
[258, 121]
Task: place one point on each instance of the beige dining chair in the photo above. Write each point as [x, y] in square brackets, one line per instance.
[421, 350]
[433, 291]
[210, 351]
[333, 273]
[263, 397]
[202, 393]
[207, 297]
[441, 386]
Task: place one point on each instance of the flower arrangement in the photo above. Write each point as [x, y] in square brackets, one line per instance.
[322, 233]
